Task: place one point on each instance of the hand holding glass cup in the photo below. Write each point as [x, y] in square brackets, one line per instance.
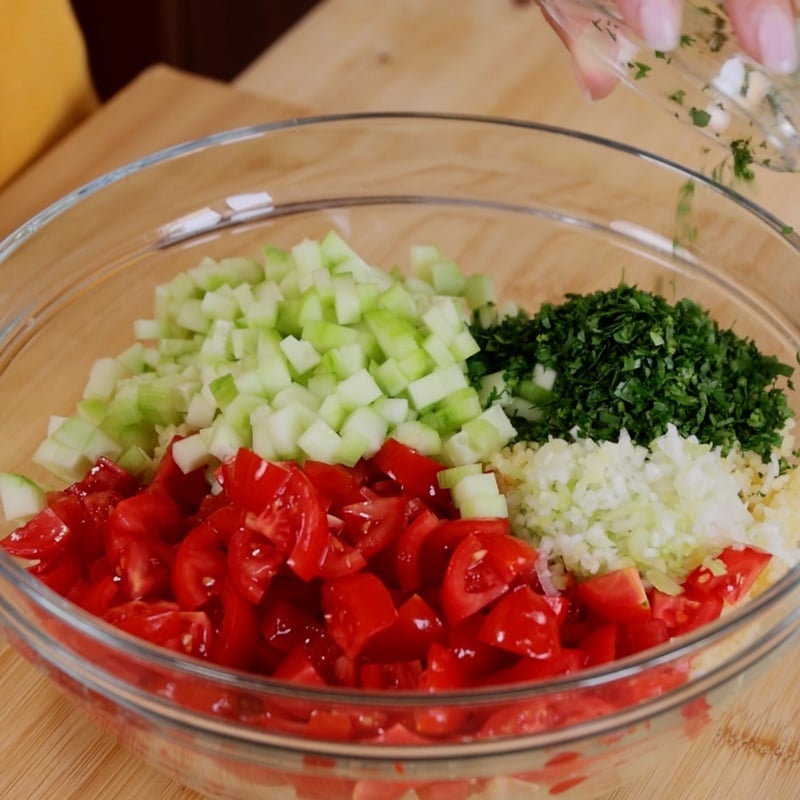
[730, 70]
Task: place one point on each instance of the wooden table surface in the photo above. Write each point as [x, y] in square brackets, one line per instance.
[479, 56]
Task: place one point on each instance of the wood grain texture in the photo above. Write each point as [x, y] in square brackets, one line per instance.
[161, 108]
[494, 57]
[476, 56]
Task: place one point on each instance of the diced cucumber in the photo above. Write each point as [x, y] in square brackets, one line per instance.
[484, 506]
[479, 291]
[20, 497]
[136, 461]
[320, 442]
[422, 257]
[364, 422]
[447, 278]
[220, 304]
[104, 376]
[335, 250]
[312, 353]
[393, 409]
[476, 493]
[418, 436]
[301, 355]
[191, 453]
[449, 477]
[307, 256]
[436, 385]
[474, 485]
[397, 337]
[359, 389]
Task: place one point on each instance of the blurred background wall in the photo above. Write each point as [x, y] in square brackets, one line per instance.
[216, 38]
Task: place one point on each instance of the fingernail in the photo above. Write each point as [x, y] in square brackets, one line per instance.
[661, 25]
[777, 40]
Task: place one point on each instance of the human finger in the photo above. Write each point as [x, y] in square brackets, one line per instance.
[766, 30]
[658, 22]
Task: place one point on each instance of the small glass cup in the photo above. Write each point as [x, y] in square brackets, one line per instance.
[707, 81]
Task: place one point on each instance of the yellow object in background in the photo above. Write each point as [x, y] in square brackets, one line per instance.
[45, 85]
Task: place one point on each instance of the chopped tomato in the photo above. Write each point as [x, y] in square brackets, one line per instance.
[236, 628]
[415, 472]
[600, 644]
[372, 525]
[686, 611]
[105, 475]
[44, 536]
[339, 485]
[742, 566]
[60, 573]
[409, 549]
[522, 622]
[165, 624]
[340, 559]
[144, 568]
[200, 568]
[250, 481]
[356, 607]
[617, 596]
[436, 549]
[253, 561]
[143, 516]
[310, 523]
[481, 569]
[187, 489]
[640, 636]
[410, 636]
[356, 577]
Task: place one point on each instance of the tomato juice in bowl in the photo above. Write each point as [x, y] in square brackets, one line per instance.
[230, 733]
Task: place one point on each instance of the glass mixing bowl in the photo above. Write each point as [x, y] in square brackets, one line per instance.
[544, 211]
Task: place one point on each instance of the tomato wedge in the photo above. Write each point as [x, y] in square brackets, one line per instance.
[251, 482]
[200, 568]
[415, 472]
[481, 569]
[742, 566]
[253, 561]
[522, 622]
[617, 596]
[356, 607]
[372, 525]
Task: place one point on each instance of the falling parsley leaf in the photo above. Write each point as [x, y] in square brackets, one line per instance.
[743, 157]
[699, 117]
[686, 40]
[786, 230]
[678, 96]
[642, 70]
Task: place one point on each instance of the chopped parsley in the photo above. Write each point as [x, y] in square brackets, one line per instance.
[686, 40]
[677, 97]
[699, 117]
[685, 230]
[641, 70]
[743, 157]
[627, 359]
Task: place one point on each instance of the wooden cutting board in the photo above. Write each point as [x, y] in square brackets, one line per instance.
[480, 56]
